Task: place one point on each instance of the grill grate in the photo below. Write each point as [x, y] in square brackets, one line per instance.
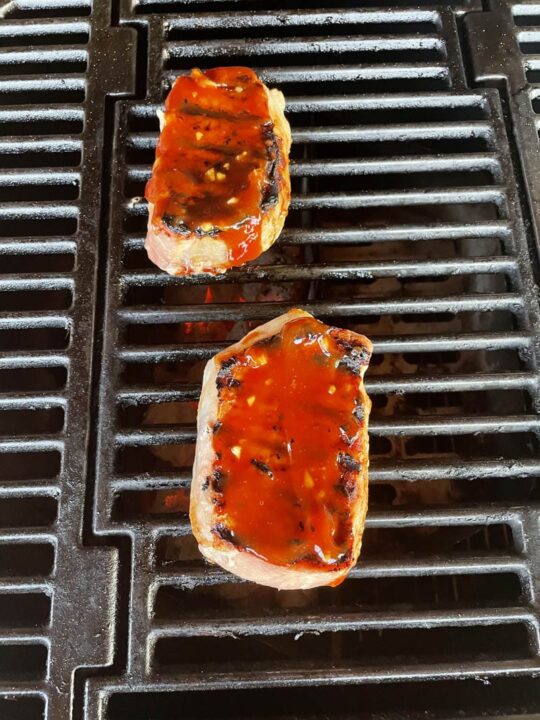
[404, 224]
[51, 114]
[407, 224]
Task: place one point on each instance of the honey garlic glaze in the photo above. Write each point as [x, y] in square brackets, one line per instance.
[288, 445]
[217, 160]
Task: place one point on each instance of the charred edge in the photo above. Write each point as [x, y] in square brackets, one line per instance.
[206, 483]
[225, 533]
[263, 467]
[355, 361]
[346, 486]
[348, 462]
[345, 436]
[213, 232]
[270, 191]
[267, 341]
[358, 413]
[218, 478]
[224, 377]
[175, 225]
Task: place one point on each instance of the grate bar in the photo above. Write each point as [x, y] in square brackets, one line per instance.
[397, 517]
[355, 235]
[395, 344]
[35, 319]
[437, 565]
[335, 675]
[37, 83]
[39, 144]
[36, 281]
[384, 198]
[29, 443]
[371, 101]
[453, 469]
[331, 622]
[42, 55]
[334, 271]
[379, 306]
[30, 400]
[29, 488]
[396, 233]
[27, 535]
[398, 132]
[9, 636]
[374, 166]
[140, 395]
[39, 113]
[380, 472]
[402, 165]
[391, 198]
[315, 44]
[30, 358]
[340, 73]
[448, 425]
[298, 18]
[18, 586]
[30, 26]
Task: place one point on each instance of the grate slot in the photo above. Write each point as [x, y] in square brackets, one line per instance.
[32, 560]
[23, 662]
[30, 610]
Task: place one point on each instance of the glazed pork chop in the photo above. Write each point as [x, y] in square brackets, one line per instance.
[220, 188]
[279, 489]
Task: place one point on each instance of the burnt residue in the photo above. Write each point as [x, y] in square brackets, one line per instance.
[217, 426]
[344, 435]
[206, 483]
[354, 361]
[174, 224]
[270, 192]
[217, 480]
[263, 467]
[348, 462]
[224, 377]
[358, 412]
[225, 533]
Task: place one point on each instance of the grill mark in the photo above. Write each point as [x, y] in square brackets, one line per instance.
[225, 533]
[263, 467]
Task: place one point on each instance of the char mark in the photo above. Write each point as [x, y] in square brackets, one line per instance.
[348, 462]
[358, 412]
[263, 467]
[175, 225]
[270, 191]
[224, 377]
[355, 359]
[225, 533]
[218, 478]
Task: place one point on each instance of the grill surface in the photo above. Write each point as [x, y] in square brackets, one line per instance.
[407, 223]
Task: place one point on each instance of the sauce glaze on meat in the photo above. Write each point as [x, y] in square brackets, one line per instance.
[217, 160]
[288, 445]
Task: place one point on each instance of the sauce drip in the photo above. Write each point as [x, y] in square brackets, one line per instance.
[287, 443]
[216, 159]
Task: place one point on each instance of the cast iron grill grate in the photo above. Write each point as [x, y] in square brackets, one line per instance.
[404, 224]
[48, 216]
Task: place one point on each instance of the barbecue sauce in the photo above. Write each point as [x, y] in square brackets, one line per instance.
[217, 160]
[288, 442]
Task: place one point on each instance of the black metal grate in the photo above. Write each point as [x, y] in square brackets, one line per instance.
[408, 223]
[51, 119]
[405, 224]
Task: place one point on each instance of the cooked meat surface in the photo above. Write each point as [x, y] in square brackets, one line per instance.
[220, 188]
[279, 490]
